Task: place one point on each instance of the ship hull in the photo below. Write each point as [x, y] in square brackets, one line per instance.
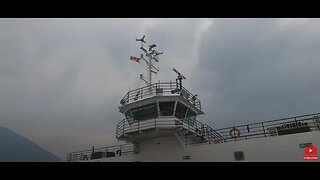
[287, 148]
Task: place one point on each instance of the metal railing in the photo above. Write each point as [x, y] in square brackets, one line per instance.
[160, 88]
[195, 127]
[105, 152]
[205, 133]
[125, 127]
[292, 125]
[201, 130]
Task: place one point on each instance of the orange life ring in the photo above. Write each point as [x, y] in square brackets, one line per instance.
[234, 133]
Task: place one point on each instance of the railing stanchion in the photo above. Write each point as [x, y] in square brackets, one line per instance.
[123, 127]
[264, 132]
[156, 88]
[209, 136]
[117, 130]
[128, 97]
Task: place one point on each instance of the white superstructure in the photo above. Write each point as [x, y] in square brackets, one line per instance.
[161, 124]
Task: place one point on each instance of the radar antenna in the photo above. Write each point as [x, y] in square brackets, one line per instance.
[180, 77]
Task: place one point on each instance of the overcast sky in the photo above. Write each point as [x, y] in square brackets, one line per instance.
[61, 80]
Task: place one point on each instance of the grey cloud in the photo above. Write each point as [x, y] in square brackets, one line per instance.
[61, 80]
[256, 71]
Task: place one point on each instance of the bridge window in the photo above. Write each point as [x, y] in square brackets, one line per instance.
[166, 108]
[129, 117]
[180, 111]
[148, 111]
[191, 117]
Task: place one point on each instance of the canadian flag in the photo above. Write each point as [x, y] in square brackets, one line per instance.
[134, 58]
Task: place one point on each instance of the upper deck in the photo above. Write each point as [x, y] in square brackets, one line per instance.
[160, 89]
[265, 129]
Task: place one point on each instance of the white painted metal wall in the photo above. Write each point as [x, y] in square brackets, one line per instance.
[279, 148]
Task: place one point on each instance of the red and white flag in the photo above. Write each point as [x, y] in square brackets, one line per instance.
[134, 58]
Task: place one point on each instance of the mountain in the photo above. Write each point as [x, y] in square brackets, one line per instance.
[16, 148]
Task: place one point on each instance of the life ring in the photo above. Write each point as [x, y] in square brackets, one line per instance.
[234, 133]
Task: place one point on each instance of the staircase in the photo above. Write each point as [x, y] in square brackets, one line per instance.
[196, 133]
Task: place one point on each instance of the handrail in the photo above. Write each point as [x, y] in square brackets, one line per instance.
[297, 124]
[274, 120]
[278, 127]
[160, 88]
[247, 131]
[104, 152]
[206, 131]
[195, 126]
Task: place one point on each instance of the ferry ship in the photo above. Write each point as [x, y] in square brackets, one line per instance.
[160, 124]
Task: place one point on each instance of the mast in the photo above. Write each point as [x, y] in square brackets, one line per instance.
[152, 56]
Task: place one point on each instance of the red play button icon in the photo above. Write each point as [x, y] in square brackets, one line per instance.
[310, 151]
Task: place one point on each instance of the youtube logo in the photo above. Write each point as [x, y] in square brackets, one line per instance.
[310, 153]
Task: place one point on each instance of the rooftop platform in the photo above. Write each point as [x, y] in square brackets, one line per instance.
[162, 91]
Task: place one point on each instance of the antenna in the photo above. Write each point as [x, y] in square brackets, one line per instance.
[180, 77]
[152, 46]
[151, 57]
[158, 53]
[142, 40]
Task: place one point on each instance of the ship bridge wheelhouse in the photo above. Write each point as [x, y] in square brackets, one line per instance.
[156, 107]
[160, 109]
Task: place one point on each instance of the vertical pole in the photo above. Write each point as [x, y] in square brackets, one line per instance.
[123, 126]
[209, 137]
[264, 132]
[150, 74]
[203, 129]
[128, 97]
[117, 130]
[156, 88]
[141, 92]
[177, 83]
